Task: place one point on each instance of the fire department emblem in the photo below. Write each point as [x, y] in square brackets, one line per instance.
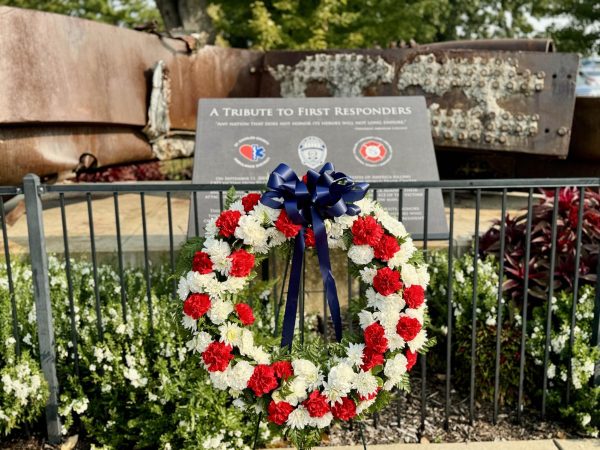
[373, 151]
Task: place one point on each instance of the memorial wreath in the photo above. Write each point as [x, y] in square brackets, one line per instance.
[302, 390]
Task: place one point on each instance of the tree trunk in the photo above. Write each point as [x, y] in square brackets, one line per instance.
[188, 16]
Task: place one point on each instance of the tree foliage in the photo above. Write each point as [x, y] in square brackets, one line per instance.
[124, 13]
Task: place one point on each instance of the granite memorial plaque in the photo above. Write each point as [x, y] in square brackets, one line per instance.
[372, 139]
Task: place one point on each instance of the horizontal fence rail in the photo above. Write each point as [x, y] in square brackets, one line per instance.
[38, 195]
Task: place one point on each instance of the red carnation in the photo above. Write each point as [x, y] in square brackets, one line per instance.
[309, 237]
[262, 380]
[286, 226]
[408, 328]
[411, 357]
[279, 412]
[386, 247]
[414, 296]
[375, 338]
[283, 369]
[366, 231]
[316, 404]
[245, 314]
[196, 305]
[371, 359]
[344, 411]
[250, 201]
[228, 222]
[202, 263]
[387, 281]
[242, 263]
[217, 356]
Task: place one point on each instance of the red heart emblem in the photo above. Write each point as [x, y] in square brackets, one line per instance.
[246, 151]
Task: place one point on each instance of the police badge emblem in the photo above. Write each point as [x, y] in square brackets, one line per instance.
[312, 151]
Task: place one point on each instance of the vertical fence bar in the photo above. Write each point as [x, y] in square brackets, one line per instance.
[147, 262]
[400, 401]
[43, 307]
[500, 306]
[196, 222]
[550, 296]
[474, 307]
[450, 293]
[525, 299]
[11, 288]
[575, 293]
[95, 267]
[400, 203]
[74, 336]
[302, 300]
[221, 202]
[171, 246]
[424, 355]
[279, 303]
[120, 257]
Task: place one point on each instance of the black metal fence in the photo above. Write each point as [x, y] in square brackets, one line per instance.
[36, 194]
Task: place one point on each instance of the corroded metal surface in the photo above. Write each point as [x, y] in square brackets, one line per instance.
[478, 99]
[585, 140]
[511, 45]
[47, 150]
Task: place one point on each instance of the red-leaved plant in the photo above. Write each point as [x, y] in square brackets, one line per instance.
[541, 243]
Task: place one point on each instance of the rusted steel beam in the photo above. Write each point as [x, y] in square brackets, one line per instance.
[48, 150]
[61, 69]
[479, 99]
[510, 45]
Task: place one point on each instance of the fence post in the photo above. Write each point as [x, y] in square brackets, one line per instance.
[43, 309]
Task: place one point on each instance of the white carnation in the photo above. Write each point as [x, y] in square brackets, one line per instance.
[218, 250]
[219, 311]
[364, 405]
[365, 383]
[231, 333]
[199, 342]
[367, 274]
[297, 391]
[211, 229]
[265, 214]
[197, 282]
[407, 249]
[321, 422]
[233, 284]
[355, 354]
[419, 341]
[298, 418]
[423, 275]
[417, 313]
[365, 318]
[251, 232]
[393, 226]
[409, 275]
[237, 206]
[238, 375]
[246, 344]
[395, 342]
[366, 206]
[183, 289]
[394, 369]
[189, 323]
[361, 254]
[305, 369]
[219, 379]
[339, 382]
[260, 355]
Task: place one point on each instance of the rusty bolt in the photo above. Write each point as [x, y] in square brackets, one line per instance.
[435, 134]
[519, 129]
[435, 122]
[429, 70]
[448, 123]
[488, 138]
[505, 116]
[462, 136]
[535, 117]
[455, 71]
[447, 135]
[524, 86]
[474, 137]
[470, 72]
[541, 74]
[562, 131]
[495, 84]
[483, 72]
[533, 131]
[492, 115]
[252, 69]
[539, 86]
[509, 85]
[497, 73]
[490, 126]
[526, 73]
[455, 83]
[481, 83]
[502, 139]
[498, 61]
[504, 128]
[462, 125]
[519, 117]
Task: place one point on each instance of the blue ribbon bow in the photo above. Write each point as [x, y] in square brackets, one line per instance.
[325, 195]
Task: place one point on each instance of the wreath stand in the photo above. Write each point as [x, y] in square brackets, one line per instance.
[301, 299]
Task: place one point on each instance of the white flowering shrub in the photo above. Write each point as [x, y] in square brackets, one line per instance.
[584, 408]
[136, 387]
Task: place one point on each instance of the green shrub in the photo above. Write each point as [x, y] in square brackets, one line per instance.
[136, 386]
